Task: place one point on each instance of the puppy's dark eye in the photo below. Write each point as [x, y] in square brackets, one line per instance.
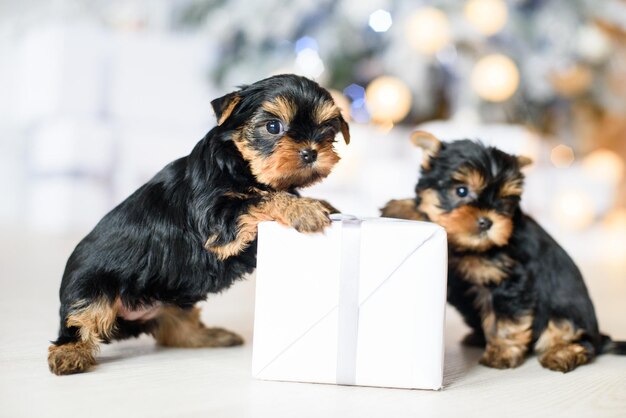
[274, 127]
[462, 191]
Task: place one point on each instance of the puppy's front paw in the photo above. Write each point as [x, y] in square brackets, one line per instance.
[564, 358]
[502, 357]
[307, 215]
[402, 209]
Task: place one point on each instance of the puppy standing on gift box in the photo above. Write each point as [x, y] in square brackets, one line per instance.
[513, 284]
[191, 230]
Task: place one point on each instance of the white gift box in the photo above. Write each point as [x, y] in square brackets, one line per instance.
[362, 304]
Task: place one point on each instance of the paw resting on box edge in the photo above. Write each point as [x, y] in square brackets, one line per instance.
[308, 216]
[305, 215]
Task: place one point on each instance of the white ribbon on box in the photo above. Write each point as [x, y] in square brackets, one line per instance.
[296, 346]
[348, 303]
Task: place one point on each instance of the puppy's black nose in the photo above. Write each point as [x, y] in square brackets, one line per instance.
[308, 155]
[484, 223]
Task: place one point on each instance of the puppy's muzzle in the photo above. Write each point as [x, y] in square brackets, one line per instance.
[484, 224]
[308, 156]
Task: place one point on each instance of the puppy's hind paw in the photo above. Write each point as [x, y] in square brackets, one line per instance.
[70, 358]
[220, 337]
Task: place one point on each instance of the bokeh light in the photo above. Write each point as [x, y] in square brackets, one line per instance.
[428, 30]
[309, 63]
[358, 110]
[614, 226]
[592, 44]
[380, 20]
[573, 209]
[388, 99]
[495, 78]
[604, 165]
[562, 156]
[486, 16]
[306, 42]
[616, 220]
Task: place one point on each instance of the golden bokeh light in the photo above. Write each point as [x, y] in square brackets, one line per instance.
[562, 156]
[616, 221]
[604, 165]
[486, 16]
[428, 30]
[573, 209]
[388, 99]
[495, 78]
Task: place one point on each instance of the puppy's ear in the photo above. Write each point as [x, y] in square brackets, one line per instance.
[345, 129]
[428, 143]
[224, 106]
[523, 161]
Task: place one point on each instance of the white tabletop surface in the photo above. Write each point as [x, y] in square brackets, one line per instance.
[136, 378]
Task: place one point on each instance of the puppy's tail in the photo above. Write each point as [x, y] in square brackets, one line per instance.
[613, 347]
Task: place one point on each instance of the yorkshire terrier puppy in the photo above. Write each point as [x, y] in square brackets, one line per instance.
[513, 284]
[191, 230]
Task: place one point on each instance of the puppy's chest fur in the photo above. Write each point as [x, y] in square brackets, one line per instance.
[482, 269]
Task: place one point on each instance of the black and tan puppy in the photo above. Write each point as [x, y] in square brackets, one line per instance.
[514, 285]
[191, 230]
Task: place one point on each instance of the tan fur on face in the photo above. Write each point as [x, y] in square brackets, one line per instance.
[402, 209]
[472, 178]
[461, 225]
[325, 112]
[281, 107]
[558, 348]
[284, 168]
[328, 111]
[182, 328]
[303, 214]
[512, 187]
[481, 271]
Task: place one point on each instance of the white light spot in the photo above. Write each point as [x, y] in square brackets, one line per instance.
[309, 63]
[380, 20]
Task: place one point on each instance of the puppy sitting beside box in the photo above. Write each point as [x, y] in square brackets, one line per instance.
[514, 285]
[191, 230]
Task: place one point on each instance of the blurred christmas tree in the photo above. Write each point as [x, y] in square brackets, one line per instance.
[556, 66]
[541, 62]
